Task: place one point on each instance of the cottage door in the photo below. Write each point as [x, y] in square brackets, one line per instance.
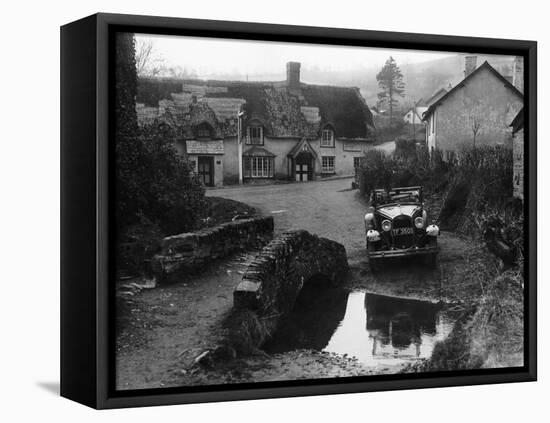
[205, 170]
[303, 167]
[301, 172]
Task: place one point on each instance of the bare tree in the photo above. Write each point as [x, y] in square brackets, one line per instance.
[475, 123]
[148, 61]
[476, 113]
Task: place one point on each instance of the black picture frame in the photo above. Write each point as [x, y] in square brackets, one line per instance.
[87, 363]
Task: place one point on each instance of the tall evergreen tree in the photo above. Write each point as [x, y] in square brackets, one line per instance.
[390, 81]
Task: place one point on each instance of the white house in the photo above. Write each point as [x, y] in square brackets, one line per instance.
[414, 115]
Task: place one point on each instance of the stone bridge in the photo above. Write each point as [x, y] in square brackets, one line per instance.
[187, 253]
[276, 276]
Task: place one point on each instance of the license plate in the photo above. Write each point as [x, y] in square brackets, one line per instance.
[403, 231]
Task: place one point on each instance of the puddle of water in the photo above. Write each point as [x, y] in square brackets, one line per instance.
[375, 329]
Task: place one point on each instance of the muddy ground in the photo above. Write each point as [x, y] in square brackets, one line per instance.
[163, 330]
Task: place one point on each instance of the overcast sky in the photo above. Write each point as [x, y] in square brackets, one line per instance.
[214, 56]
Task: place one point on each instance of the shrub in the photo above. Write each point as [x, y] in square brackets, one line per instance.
[378, 170]
[405, 147]
[137, 245]
[374, 171]
[154, 181]
[246, 331]
[480, 184]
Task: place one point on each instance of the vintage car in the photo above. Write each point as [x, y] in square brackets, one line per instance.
[397, 225]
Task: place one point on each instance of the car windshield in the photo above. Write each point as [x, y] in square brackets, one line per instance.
[405, 196]
[397, 196]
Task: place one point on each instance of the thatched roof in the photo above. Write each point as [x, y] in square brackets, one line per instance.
[281, 111]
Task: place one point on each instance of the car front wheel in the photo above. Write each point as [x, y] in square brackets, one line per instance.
[432, 260]
[374, 265]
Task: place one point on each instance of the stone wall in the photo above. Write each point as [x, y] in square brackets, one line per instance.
[187, 253]
[276, 276]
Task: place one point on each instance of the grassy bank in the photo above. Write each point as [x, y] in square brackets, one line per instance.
[488, 335]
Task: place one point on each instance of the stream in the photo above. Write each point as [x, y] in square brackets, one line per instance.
[375, 329]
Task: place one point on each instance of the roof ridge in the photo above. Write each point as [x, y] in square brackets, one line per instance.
[239, 82]
[484, 65]
[348, 87]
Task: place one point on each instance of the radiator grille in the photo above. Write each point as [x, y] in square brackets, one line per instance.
[407, 240]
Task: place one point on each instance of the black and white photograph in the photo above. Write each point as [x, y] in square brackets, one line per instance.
[287, 211]
[246, 211]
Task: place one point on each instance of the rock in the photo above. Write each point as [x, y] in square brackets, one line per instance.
[224, 353]
[203, 357]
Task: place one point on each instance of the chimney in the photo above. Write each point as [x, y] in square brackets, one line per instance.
[470, 65]
[517, 75]
[293, 75]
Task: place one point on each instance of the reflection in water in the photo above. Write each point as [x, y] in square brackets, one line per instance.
[373, 328]
[402, 328]
[315, 317]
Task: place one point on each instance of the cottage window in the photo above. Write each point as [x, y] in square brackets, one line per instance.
[258, 167]
[327, 164]
[433, 123]
[204, 130]
[255, 135]
[356, 162]
[327, 138]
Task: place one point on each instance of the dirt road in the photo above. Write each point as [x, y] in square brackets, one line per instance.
[166, 328]
[326, 208]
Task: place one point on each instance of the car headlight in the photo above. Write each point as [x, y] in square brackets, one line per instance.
[432, 230]
[373, 236]
[419, 222]
[386, 225]
[369, 221]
